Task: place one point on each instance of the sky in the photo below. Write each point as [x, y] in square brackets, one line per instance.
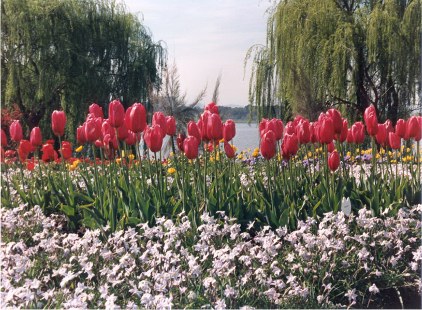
[205, 38]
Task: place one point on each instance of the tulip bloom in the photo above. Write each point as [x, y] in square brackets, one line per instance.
[170, 126]
[48, 153]
[276, 126]
[96, 110]
[394, 140]
[35, 137]
[193, 130]
[58, 122]
[80, 134]
[381, 135]
[159, 119]
[25, 147]
[180, 139]
[203, 125]
[190, 147]
[290, 128]
[153, 138]
[116, 113]
[229, 150]
[136, 118]
[349, 138]
[290, 145]
[262, 126]
[330, 147]
[93, 129]
[343, 135]
[358, 132]
[337, 120]
[3, 138]
[303, 131]
[122, 132]
[326, 129]
[401, 128]
[131, 138]
[66, 150]
[371, 121]
[334, 161]
[215, 127]
[229, 130]
[15, 131]
[212, 107]
[413, 129]
[268, 145]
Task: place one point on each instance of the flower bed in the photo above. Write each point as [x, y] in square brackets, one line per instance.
[359, 261]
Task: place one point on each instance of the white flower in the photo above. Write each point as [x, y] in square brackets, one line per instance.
[351, 294]
[374, 289]
[220, 304]
[229, 292]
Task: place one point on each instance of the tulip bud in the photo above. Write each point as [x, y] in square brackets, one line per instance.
[96, 110]
[116, 113]
[15, 131]
[35, 137]
[190, 147]
[170, 125]
[136, 118]
[58, 122]
[229, 150]
[153, 137]
[334, 161]
[3, 138]
[394, 140]
[371, 121]
[229, 130]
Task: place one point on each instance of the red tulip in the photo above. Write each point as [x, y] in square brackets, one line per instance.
[110, 141]
[337, 120]
[66, 150]
[215, 127]
[3, 138]
[343, 135]
[290, 145]
[96, 110]
[303, 131]
[48, 153]
[371, 121]
[98, 143]
[80, 134]
[107, 129]
[30, 165]
[268, 145]
[262, 126]
[358, 132]
[330, 147]
[326, 129]
[229, 150]
[170, 125]
[159, 119]
[15, 131]
[131, 138]
[313, 129]
[116, 113]
[229, 130]
[190, 147]
[180, 139]
[93, 129]
[394, 140]
[203, 125]
[401, 128]
[35, 137]
[276, 126]
[136, 118]
[290, 128]
[212, 107]
[58, 122]
[25, 147]
[122, 132]
[413, 128]
[349, 138]
[193, 130]
[381, 135]
[153, 138]
[334, 161]
[297, 120]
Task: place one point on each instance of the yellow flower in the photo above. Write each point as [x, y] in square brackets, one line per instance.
[79, 149]
[221, 140]
[404, 159]
[123, 153]
[402, 148]
[409, 158]
[393, 161]
[234, 148]
[378, 156]
[357, 150]
[131, 156]
[240, 156]
[349, 154]
[408, 150]
[309, 154]
[382, 151]
[255, 154]
[171, 170]
[118, 160]
[256, 149]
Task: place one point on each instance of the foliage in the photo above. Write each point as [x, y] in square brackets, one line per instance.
[68, 54]
[350, 53]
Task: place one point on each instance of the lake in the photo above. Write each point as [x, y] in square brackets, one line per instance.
[247, 136]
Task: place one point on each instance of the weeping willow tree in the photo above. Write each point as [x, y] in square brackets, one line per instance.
[350, 53]
[68, 54]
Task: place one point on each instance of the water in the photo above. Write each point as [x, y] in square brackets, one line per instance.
[246, 136]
